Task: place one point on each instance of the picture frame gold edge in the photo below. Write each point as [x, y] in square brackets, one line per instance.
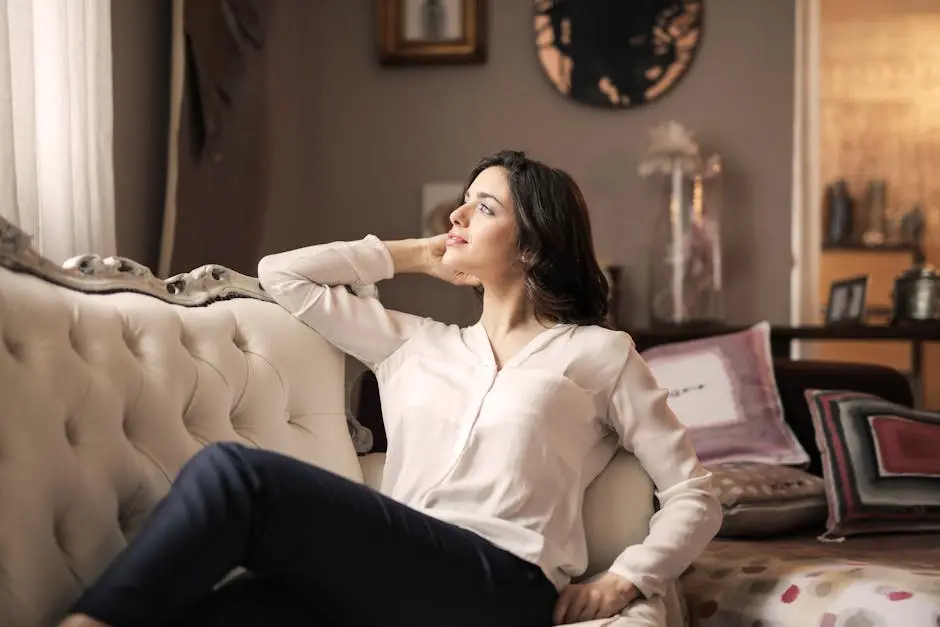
[391, 54]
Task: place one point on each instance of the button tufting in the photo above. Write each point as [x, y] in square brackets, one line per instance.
[13, 347]
[74, 342]
[70, 433]
[122, 523]
[130, 340]
[58, 534]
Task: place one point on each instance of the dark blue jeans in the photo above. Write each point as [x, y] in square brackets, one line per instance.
[322, 551]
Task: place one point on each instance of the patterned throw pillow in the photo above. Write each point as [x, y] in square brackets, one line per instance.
[761, 500]
[880, 463]
[722, 388]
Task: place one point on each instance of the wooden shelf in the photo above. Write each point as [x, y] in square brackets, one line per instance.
[865, 248]
[905, 332]
[914, 250]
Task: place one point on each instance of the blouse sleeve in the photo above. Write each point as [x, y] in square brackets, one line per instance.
[312, 284]
[690, 514]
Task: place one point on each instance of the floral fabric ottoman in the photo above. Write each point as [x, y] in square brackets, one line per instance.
[885, 581]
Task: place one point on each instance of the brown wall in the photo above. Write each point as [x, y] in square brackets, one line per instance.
[352, 143]
[140, 39]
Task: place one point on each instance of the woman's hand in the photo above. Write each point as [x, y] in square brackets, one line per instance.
[424, 256]
[436, 247]
[602, 598]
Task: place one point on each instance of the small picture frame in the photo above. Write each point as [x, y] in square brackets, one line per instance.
[432, 32]
[847, 301]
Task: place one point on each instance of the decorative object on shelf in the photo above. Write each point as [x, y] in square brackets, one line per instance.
[685, 271]
[840, 209]
[432, 32]
[916, 296]
[847, 301]
[911, 227]
[438, 200]
[617, 53]
[876, 230]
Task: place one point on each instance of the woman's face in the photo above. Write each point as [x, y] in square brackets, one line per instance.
[482, 240]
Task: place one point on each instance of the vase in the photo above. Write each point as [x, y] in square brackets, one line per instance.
[685, 267]
[840, 212]
[876, 231]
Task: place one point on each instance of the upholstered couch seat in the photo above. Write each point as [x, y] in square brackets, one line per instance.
[112, 379]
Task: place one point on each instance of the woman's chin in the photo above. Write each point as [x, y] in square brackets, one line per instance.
[452, 261]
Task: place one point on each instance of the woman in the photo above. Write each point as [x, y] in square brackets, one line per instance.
[494, 431]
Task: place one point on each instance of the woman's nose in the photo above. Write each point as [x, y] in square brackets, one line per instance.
[459, 215]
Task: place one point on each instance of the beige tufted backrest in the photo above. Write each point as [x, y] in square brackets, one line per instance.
[110, 380]
[105, 396]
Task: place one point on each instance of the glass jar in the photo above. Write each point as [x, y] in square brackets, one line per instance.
[685, 266]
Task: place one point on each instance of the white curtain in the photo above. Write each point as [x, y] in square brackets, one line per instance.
[56, 121]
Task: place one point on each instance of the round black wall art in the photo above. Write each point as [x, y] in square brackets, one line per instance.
[617, 53]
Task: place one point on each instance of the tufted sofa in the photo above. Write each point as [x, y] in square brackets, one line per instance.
[111, 379]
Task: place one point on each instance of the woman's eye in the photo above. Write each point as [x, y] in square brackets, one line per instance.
[485, 209]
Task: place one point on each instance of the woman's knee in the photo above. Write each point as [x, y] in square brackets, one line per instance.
[217, 458]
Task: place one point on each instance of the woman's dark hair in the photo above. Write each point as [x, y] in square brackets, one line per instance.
[562, 277]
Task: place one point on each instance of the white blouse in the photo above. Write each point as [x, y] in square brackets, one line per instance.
[507, 453]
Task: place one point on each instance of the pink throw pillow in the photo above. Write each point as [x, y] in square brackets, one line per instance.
[722, 388]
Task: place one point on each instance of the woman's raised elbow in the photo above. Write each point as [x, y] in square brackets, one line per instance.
[270, 272]
[266, 265]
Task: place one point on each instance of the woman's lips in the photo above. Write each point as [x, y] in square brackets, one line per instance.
[454, 239]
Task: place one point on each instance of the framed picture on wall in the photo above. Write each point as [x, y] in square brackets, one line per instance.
[431, 32]
[847, 301]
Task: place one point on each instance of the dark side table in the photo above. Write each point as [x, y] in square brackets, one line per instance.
[782, 338]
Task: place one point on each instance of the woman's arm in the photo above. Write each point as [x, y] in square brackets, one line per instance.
[690, 513]
[311, 283]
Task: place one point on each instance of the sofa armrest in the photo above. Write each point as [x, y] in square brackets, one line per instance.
[794, 377]
[111, 379]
